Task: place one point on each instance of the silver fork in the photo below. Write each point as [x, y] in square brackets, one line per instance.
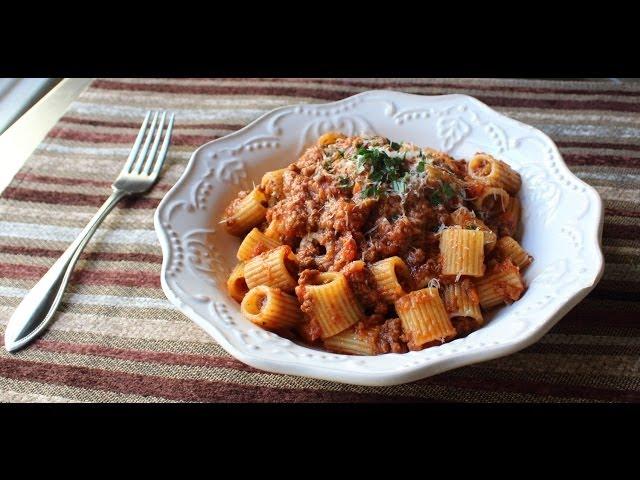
[137, 176]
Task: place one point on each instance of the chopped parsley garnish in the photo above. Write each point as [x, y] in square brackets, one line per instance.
[370, 190]
[328, 165]
[444, 194]
[449, 192]
[399, 186]
[395, 146]
[420, 166]
[345, 182]
[383, 169]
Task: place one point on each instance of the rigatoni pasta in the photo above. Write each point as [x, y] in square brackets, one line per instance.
[254, 244]
[271, 308]
[492, 201]
[276, 268]
[510, 219]
[354, 341]
[272, 231]
[461, 299]
[424, 317]
[502, 285]
[494, 172]
[508, 248]
[392, 278]
[331, 302]
[236, 283]
[246, 212]
[462, 252]
[468, 220]
[329, 138]
[365, 246]
[272, 184]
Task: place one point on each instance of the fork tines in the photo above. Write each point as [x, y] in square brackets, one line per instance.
[145, 161]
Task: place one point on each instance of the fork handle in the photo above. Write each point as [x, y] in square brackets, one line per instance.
[39, 305]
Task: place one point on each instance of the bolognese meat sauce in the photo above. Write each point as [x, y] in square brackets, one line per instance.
[348, 202]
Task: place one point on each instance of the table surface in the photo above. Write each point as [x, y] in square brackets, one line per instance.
[116, 337]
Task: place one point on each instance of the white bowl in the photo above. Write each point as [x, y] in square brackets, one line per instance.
[562, 227]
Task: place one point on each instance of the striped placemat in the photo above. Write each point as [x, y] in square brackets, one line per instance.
[118, 339]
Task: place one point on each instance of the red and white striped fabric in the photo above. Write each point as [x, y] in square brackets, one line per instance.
[118, 339]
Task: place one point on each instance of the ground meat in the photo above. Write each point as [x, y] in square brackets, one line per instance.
[309, 331]
[309, 250]
[389, 239]
[415, 257]
[310, 160]
[343, 215]
[422, 274]
[327, 251]
[348, 251]
[420, 213]
[464, 325]
[305, 300]
[363, 286]
[288, 216]
[391, 338]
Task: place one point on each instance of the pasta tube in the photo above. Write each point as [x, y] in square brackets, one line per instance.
[462, 252]
[354, 342]
[492, 201]
[245, 213]
[392, 278]
[508, 248]
[254, 244]
[494, 172]
[272, 184]
[332, 303]
[503, 285]
[276, 268]
[236, 283]
[468, 220]
[424, 317]
[329, 138]
[461, 300]
[271, 308]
